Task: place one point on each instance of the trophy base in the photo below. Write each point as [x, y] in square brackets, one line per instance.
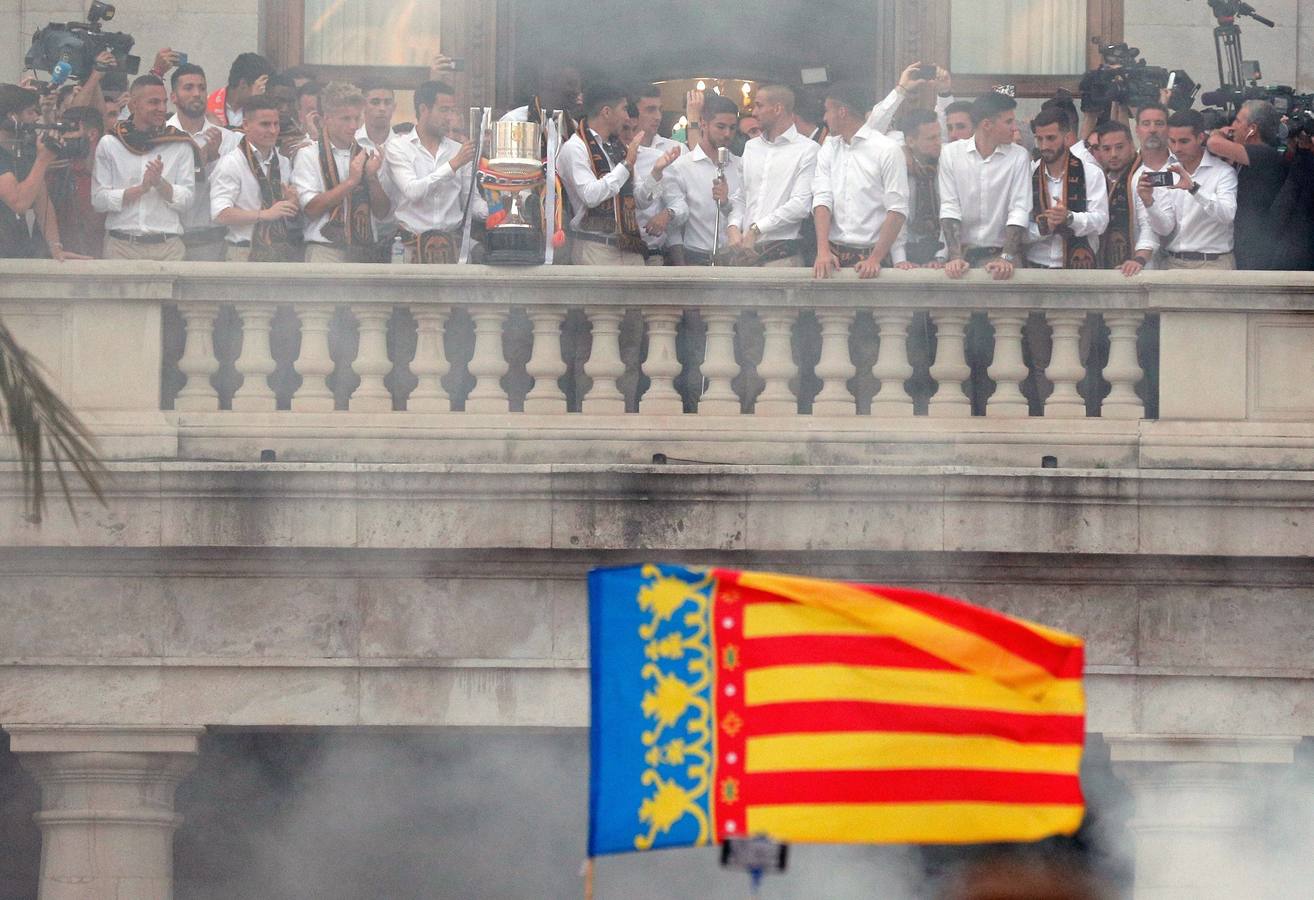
[513, 245]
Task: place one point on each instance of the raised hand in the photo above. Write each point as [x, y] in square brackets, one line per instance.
[165, 60]
[632, 149]
[464, 156]
[153, 173]
[373, 163]
[667, 158]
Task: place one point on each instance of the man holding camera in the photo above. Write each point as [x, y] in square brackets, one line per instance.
[917, 75]
[1196, 213]
[1250, 145]
[1069, 200]
[144, 177]
[202, 237]
[22, 181]
[985, 193]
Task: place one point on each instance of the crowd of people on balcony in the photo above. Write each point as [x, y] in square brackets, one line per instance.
[275, 166]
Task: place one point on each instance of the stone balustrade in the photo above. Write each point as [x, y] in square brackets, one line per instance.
[212, 359]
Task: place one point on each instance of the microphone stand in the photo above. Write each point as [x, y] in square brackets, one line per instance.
[720, 176]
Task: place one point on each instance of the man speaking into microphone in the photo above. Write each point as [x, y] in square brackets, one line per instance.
[704, 188]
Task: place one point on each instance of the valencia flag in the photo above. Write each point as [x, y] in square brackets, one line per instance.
[729, 704]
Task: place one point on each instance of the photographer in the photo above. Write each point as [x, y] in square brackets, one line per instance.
[1250, 144]
[1196, 214]
[22, 176]
[69, 184]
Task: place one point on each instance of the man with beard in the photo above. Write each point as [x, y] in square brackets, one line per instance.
[250, 196]
[430, 174]
[203, 239]
[1195, 217]
[985, 196]
[694, 189]
[860, 191]
[958, 121]
[1069, 199]
[921, 150]
[779, 166]
[654, 216]
[144, 177]
[1128, 221]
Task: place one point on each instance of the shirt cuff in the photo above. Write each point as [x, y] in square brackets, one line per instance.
[115, 198]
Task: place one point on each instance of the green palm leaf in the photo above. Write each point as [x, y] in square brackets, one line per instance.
[44, 428]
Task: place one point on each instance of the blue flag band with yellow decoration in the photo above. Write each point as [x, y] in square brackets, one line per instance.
[731, 703]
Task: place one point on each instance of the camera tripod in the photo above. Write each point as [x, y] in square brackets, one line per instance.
[1227, 40]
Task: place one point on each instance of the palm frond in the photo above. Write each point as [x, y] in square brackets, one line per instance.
[43, 427]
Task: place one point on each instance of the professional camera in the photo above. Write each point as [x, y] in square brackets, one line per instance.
[1124, 78]
[73, 46]
[53, 137]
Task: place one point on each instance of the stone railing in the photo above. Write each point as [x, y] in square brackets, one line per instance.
[372, 362]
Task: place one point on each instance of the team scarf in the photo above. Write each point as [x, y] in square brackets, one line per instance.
[139, 143]
[349, 223]
[1118, 244]
[623, 221]
[269, 240]
[1077, 253]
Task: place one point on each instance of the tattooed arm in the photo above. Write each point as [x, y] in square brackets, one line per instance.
[952, 229]
[999, 268]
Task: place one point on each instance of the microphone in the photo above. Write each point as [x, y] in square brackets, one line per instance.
[720, 157]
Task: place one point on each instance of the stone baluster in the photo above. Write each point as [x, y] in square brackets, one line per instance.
[1065, 369]
[662, 365]
[950, 369]
[372, 362]
[198, 361]
[719, 367]
[488, 364]
[256, 362]
[430, 363]
[314, 364]
[892, 367]
[605, 365]
[1124, 370]
[1008, 369]
[835, 367]
[546, 364]
[107, 814]
[777, 366]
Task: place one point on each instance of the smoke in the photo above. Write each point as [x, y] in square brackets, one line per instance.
[461, 813]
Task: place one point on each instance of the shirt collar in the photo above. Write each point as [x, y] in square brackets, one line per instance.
[788, 137]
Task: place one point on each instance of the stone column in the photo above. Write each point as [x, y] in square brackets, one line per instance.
[1196, 824]
[107, 818]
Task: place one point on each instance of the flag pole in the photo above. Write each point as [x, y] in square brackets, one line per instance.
[588, 879]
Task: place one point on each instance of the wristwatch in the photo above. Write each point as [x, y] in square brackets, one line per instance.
[754, 230]
[1008, 258]
[1070, 219]
[1195, 186]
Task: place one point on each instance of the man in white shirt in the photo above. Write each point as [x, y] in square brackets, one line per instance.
[203, 239]
[249, 196]
[693, 188]
[958, 121]
[429, 178]
[1069, 199]
[985, 193]
[654, 216]
[143, 178]
[779, 165]
[597, 174]
[1195, 216]
[338, 183]
[923, 242]
[374, 134]
[859, 192]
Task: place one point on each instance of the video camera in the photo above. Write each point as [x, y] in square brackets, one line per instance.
[1126, 79]
[53, 137]
[1297, 109]
[75, 45]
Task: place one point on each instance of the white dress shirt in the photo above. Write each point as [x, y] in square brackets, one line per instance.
[1146, 239]
[861, 182]
[585, 189]
[1047, 250]
[197, 216]
[687, 190]
[1203, 221]
[647, 192]
[427, 194]
[363, 138]
[881, 117]
[233, 186]
[985, 194]
[778, 184]
[309, 182]
[116, 168]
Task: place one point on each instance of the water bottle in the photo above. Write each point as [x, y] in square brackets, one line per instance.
[398, 251]
[61, 71]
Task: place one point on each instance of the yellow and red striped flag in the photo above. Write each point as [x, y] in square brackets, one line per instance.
[731, 703]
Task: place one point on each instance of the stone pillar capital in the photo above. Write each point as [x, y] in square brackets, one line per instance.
[106, 818]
